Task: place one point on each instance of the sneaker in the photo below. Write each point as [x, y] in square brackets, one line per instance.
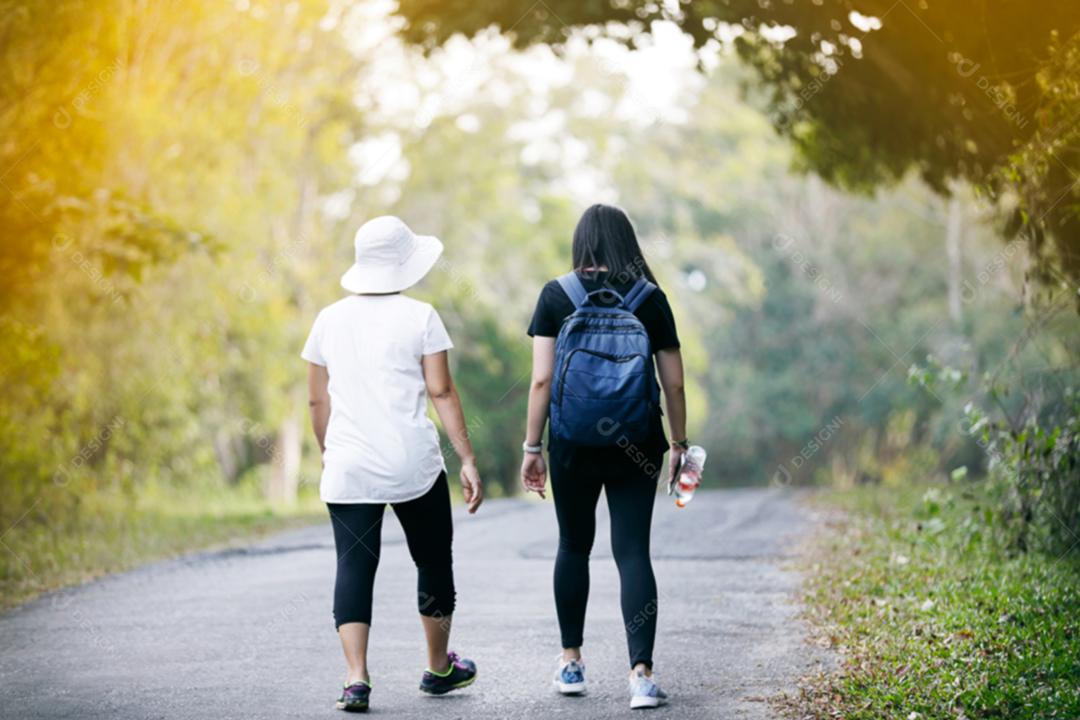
[354, 698]
[461, 673]
[644, 693]
[570, 678]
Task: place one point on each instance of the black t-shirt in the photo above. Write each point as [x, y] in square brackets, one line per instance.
[554, 306]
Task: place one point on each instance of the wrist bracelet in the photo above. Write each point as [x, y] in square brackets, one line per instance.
[533, 449]
[684, 444]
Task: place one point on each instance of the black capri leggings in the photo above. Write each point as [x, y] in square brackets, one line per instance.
[577, 476]
[429, 532]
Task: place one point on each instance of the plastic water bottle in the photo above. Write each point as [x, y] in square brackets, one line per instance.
[688, 478]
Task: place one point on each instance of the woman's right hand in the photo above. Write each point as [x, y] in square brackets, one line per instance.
[472, 487]
[534, 473]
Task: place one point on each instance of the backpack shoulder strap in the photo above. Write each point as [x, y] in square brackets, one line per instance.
[638, 294]
[573, 287]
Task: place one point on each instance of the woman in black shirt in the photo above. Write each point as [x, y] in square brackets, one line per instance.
[606, 254]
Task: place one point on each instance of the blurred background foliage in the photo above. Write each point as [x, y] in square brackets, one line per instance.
[181, 181]
[869, 91]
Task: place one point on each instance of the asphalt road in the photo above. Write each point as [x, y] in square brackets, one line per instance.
[248, 633]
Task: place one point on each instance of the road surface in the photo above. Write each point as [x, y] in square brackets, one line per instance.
[248, 633]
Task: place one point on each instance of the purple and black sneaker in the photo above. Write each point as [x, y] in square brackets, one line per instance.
[354, 698]
[461, 673]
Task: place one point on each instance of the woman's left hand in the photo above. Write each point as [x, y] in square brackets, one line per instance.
[534, 473]
[472, 486]
[675, 459]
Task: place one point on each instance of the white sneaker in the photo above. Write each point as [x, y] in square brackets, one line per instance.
[570, 678]
[644, 693]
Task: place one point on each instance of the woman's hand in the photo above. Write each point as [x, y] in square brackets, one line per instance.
[677, 451]
[534, 473]
[471, 485]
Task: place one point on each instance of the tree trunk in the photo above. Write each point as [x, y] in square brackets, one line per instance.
[285, 462]
[954, 231]
[228, 453]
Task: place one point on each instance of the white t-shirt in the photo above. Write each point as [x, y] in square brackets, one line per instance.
[381, 446]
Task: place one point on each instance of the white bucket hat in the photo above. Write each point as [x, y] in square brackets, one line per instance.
[389, 257]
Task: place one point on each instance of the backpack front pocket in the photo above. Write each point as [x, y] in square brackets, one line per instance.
[603, 398]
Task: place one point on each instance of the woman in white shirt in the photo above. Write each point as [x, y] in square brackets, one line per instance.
[374, 358]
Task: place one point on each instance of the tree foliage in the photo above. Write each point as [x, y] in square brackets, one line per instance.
[868, 91]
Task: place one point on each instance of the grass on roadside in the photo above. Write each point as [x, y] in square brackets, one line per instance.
[48, 548]
[933, 619]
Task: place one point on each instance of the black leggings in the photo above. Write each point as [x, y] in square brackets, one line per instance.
[576, 479]
[429, 531]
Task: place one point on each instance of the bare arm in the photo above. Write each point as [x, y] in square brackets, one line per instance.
[670, 367]
[319, 401]
[540, 388]
[533, 468]
[444, 396]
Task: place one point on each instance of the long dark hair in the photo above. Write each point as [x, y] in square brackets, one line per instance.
[604, 236]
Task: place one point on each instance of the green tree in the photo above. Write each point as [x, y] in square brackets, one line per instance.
[867, 91]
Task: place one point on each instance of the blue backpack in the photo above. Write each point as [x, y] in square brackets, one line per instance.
[604, 389]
